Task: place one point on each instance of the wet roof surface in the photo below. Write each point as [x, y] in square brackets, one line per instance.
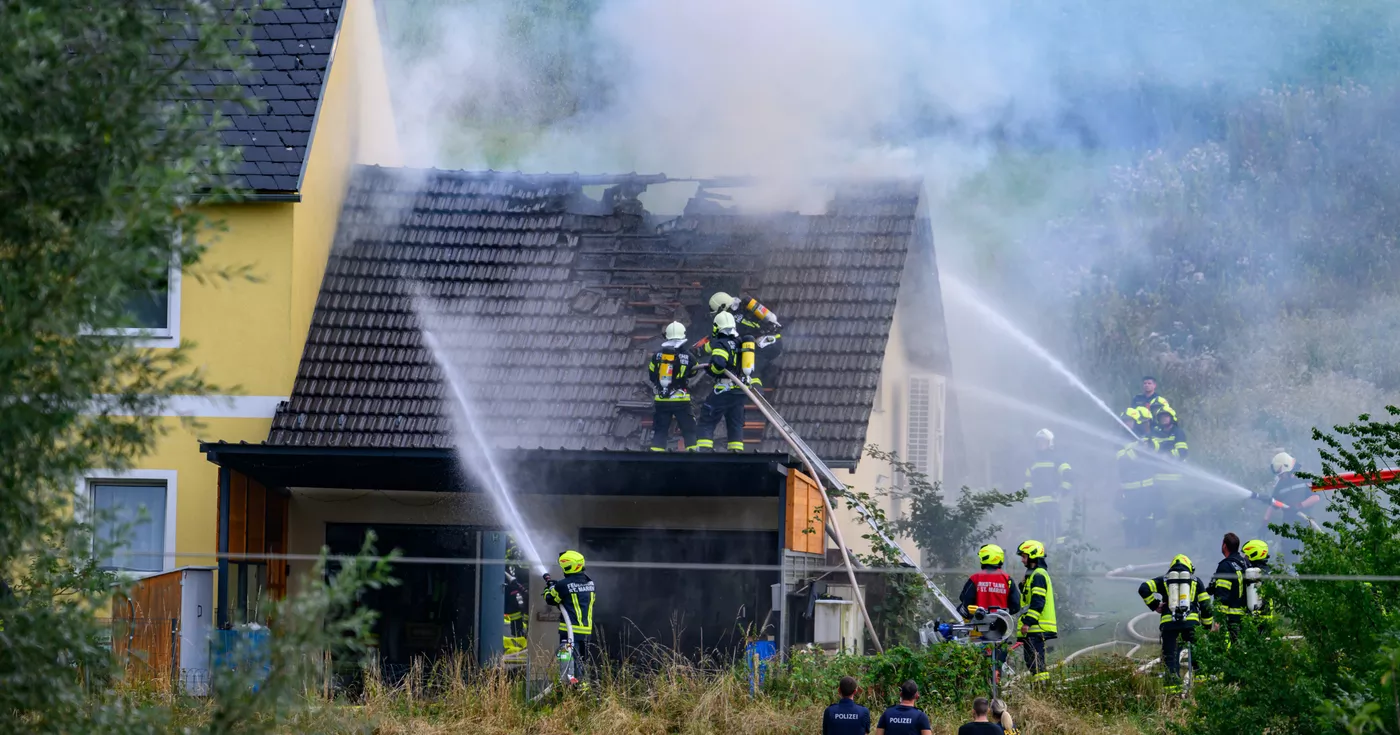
[549, 302]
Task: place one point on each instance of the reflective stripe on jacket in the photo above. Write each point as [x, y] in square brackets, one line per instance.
[574, 596]
[1039, 595]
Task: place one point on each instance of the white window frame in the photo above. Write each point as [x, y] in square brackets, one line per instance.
[167, 337]
[169, 477]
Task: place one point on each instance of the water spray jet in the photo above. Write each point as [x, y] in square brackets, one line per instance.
[965, 294]
[473, 451]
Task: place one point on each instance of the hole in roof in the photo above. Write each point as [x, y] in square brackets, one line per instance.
[668, 198]
[777, 196]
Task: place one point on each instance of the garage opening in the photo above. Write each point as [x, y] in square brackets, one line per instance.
[692, 612]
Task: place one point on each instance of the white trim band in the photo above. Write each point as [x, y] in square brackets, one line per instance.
[214, 406]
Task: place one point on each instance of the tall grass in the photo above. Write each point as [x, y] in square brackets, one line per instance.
[663, 694]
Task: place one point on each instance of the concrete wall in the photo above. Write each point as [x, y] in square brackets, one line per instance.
[557, 518]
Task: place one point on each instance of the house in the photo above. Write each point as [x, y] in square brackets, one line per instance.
[551, 288]
[548, 291]
[318, 71]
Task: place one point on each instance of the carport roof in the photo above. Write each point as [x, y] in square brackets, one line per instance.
[548, 471]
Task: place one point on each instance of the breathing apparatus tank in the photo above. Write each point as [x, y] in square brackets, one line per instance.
[1179, 593]
[1252, 599]
[666, 369]
[746, 356]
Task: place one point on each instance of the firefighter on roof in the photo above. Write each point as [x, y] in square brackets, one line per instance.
[759, 333]
[1047, 481]
[1038, 623]
[670, 371]
[1182, 600]
[574, 595]
[726, 401]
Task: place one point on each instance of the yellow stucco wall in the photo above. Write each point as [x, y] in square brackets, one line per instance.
[249, 335]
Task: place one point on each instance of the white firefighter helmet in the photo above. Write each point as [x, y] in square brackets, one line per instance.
[724, 322]
[1283, 462]
[721, 301]
[675, 330]
[1047, 435]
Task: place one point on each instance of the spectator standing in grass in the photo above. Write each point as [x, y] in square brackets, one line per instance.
[980, 725]
[905, 718]
[846, 717]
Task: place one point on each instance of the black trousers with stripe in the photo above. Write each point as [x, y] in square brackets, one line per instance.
[662, 413]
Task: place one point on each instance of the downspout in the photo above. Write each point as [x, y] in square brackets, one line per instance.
[222, 598]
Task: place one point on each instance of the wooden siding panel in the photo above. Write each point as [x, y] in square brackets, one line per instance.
[804, 515]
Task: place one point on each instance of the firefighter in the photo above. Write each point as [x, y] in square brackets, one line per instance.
[1038, 621]
[758, 331]
[574, 595]
[670, 371]
[1139, 499]
[1291, 490]
[1183, 608]
[991, 588]
[1169, 451]
[726, 401]
[1227, 586]
[1256, 552]
[1047, 480]
[1149, 398]
[516, 638]
[1138, 419]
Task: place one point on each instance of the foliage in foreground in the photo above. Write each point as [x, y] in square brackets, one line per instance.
[453, 695]
[1341, 676]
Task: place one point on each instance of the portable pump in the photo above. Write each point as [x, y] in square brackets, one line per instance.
[1252, 599]
[1179, 593]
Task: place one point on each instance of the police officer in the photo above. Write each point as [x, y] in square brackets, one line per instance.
[1179, 620]
[726, 401]
[1227, 586]
[574, 595]
[670, 371]
[1038, 621]
[758, 332]
[1139, 499]
[1256, 552]
[1047, 480]
[991, 587]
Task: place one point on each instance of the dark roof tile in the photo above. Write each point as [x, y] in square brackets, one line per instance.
[289, 53]
[506, 261]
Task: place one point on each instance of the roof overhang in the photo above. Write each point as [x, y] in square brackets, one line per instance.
[537, 471]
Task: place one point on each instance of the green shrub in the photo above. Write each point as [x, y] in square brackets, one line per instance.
[946, 674]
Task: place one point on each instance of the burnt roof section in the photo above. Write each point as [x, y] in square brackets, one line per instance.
[288, 62]
[549, 302]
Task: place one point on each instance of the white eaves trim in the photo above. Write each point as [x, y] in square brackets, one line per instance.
[213, 407]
